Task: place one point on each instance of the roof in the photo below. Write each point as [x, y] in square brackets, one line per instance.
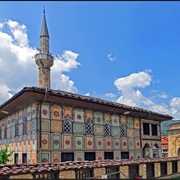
[44, 29]
[14, 169]
[39, 94]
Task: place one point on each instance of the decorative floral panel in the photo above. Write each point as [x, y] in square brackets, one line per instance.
[117, 155]
[130, 132]
[131, 143]
[136, 123]
[89, 114]
[131, 155]
[124, 144]
[89, 142]
[130, 122]
[33, 142]
[116, 143]
[138, 154]
[115, 120]
[56, 113]
[115, 131]
[45, 112]
[78, 142]
[100, 155]
[28, 157]
[79, 156]
[20, 116]
[136, 133]
[67, 112]
[107, 117]
[33, 125]
[45, 125]
[99, 143]
[56, 142]
[29, 126]
[67, 142]
[98, 130]
[56, 157]
[29, 113]
[45, 157]
[137, 143]
[123, 119]
[78, 115]
[45, 141]
[108, 143]
[78, 128]
[98, 118]
[33, 157]
[33, 111]
[56, 126]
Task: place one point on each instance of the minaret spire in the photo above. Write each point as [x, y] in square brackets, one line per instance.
[44, 59]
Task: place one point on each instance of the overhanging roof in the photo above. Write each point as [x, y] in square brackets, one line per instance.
[34, 94]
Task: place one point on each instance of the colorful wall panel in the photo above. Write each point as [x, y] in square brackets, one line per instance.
[78, 128]
[100, 155]
[89, 142]
[67, 112]
[56, 157]
[45, 157]
[116, 143]
[45, 141]
[107, 117]
[78, 142]
[29, 113]
[137, 143]
[131, 143]
[45, 112]
[136, 123]
[45, 125]
[33, 111]
[67, 142]
[56, 113]
[98, 130]
[115, 120]
[88, 114]
[79, 156]
[34, 157]
[130, 122]
[124, 144]
[79, 115]
[115, 131]
[136, 133]
[56, 142]
[108, 143]
[56, 126]
[131, 155]
[117, 155]
[99, 143]
[98, 118]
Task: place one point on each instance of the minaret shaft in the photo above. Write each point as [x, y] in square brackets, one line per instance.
[44, 59]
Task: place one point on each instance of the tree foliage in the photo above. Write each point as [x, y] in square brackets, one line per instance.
[4, 155]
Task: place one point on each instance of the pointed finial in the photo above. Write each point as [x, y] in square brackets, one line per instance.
[44, 9]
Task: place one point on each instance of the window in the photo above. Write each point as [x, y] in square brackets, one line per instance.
[16, 128]
[123, 130]
[24, 125]
[108, 155]
[67, 126]
[107, 131]
[5, 131]
[112, 172]
[146, 129]
[24, 158]
[51, 175]
[124, 155]
[174, 166]
[67, 157]
[154, 129]
[90, 156]
[150, 170]
[163, 168]
[84, 173]
[133, 171]
[15, 158]
[89, 128]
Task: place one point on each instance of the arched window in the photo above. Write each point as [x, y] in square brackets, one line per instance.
[67, 126]
[89, 128]
[107, 130]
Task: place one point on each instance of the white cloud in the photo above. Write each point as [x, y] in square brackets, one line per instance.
[111, 57]
[87, 94]
[163, 95]
[18, 68]
[175, 107]
[110, 95]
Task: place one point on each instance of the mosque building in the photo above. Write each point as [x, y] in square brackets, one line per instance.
[44, 125]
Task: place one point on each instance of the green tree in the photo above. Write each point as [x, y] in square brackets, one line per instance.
[4, 155]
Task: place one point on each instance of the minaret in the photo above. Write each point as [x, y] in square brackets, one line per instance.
[44, 59]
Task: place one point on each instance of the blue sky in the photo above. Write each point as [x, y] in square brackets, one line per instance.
[120, 51]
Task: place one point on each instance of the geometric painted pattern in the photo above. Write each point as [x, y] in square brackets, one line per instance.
[55, 157]
[78, 128]
[136, 133]
[131, 154]
[116, 143]
[56, 126]
[117, 155]
[67, 142]
[45, 141]
[67, 112]
[79, 156]
[108, 143]
[29, 113]
[136, 123]
[56, 142]
[98, 130]
[115, 120]
[100, 155]
[99, 145]
[45, 157]
[137, 154]
[45, 113]
[79, 115]
[78, 142]
[131, 143]
[98, 118]
[89, 142]
[115, 131]
[33, 111]
[130, 123]
[130, 132]
[45, 125]
[56, 113]
[137, 143]
[124, 144]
